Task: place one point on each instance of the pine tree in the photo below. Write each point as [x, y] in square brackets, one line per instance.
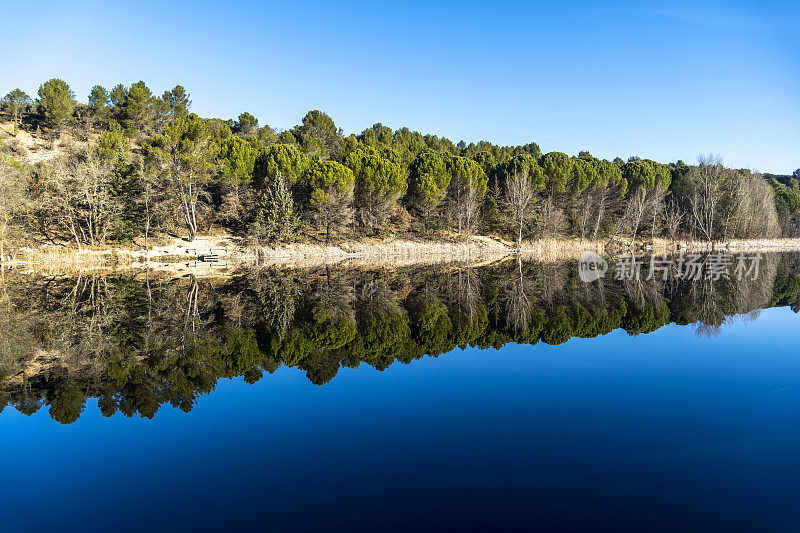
[276, 220]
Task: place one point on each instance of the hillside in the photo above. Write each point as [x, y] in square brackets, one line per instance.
[132, 170]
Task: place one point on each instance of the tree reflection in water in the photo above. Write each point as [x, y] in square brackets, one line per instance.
[138, 342]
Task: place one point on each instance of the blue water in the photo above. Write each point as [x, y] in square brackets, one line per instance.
[666, 431]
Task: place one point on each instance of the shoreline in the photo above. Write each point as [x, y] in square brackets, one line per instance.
[179, 256]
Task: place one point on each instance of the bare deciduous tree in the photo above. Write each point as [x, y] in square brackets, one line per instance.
[74, 197]
[470, 205]
[153, 198]
[632, 217]
[673, 216]
[750, 211]
[553, 219]
[518, 303]
[92, 204]
[520, 198]
[11, 199]
[708, 180]
[585, 213]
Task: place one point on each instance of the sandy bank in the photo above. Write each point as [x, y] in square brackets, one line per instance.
[179, 257]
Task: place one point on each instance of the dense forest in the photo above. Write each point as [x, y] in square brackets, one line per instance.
[129, 164]
[138, 343]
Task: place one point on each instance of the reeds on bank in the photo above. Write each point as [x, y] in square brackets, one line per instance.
[387, 253]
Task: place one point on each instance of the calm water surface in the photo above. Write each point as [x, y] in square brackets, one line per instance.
[635, 423]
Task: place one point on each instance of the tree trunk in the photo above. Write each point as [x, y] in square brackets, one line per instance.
[653, 229]
[599, 214]
[75, 234]
[327, 233]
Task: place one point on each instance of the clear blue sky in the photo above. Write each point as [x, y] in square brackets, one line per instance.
[661, 80]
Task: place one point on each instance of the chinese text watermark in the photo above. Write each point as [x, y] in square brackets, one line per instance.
[690, 267]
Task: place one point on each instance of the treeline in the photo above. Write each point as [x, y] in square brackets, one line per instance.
[152, 166]
[136, 344]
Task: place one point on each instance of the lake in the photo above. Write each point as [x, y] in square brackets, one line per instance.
[661, 394]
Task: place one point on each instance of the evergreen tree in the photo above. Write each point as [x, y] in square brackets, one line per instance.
[178, 101]
[429, 181]
[186, 154]
[276, 219]
[56, 102]
[379, 181]
[15, 103]
[331, 186]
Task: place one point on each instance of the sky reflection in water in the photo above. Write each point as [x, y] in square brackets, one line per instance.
[661, 431]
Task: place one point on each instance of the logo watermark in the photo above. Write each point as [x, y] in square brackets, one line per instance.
[591, 267]
[694, 267]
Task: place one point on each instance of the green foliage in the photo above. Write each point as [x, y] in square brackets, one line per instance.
[610, 175]
[381, 337]
[468, 327]
[646, 319]
[149, 344]
[185, 145]
[583, 174]
[67, 403]
[125, 186]
[186, 154]
[380, 180]
[287, 137]
[220, 129]
[531, 148]
[467, 173]
[377, 136]
[126, 189]
[237, 159]
[99, 98]
[429, 181]
[266, 136]
[138, 105]
[329, 334]
[646, 173]
[240, 353]
[430, 326]
[486, 160]
[246, 125]
[331, 185]
[559, 328]
[466, 191]
[786, 291]
[56, 102]
[268, 184]
[318, 135]
[178, 101]
[117, 96]
[521, 164]
[15, 103]
[279, 159]
[409, 144]
[112, 145]
[557, 168]
[276, 218]
[787, 204]
[490, 211]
